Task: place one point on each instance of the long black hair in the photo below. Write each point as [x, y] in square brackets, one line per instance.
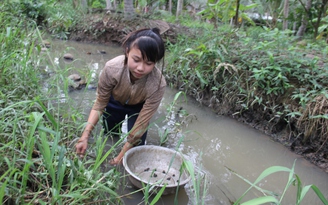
[148, 41]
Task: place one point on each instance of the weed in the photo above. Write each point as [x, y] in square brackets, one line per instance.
[270, 197]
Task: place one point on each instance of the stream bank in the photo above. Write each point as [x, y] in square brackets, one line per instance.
[110, 28]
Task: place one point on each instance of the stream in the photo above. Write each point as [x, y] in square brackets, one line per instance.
[213, 143]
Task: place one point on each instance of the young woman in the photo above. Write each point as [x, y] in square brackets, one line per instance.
[129, 85]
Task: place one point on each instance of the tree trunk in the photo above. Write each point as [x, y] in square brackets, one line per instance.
[321, 12]
[170, 6]
[109, 5]
[237, 12]
[275, 13]
[129, 12]
[305, 21]
[294, 23]
[179, 8]
[286, 13]
[84, 4]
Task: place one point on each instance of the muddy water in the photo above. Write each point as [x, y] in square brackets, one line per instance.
[213, 143]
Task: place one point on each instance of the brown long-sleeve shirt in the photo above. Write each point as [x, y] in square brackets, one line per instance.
[115, 80]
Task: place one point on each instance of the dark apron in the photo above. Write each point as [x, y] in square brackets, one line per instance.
[114, 116]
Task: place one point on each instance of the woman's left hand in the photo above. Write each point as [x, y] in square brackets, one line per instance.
[116, 161]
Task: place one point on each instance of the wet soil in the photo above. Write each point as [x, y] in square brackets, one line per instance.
[109, 28]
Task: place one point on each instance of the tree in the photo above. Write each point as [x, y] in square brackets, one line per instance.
[109, 4]
[314, 12]
[170, 6]
[286, 13]
[225, 10]
[321, 12]
[129, 12]
[305, 20]
[84, 4]
[274, 8]
[179, 8]
[237, 11]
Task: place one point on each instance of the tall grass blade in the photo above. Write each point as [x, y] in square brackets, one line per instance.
[61, 168]
[261, 200]
[30, 147]
[304, 191]
[290, 181]
[46, 154]
[2, 190]
[319, 194]
[146, 191]
[4, 185]
[99, 159]
[158, 195]
[301, 192]
[264, 174]
[2, 111]
[299, 189]
[49, 116]
[271, 170]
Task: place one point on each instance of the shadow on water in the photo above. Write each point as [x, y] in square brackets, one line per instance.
[210, 141]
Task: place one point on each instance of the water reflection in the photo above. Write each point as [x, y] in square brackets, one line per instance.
[213, 143]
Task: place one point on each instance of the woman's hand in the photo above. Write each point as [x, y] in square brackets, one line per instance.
[119, 159]
[116, 161]
[81, 146]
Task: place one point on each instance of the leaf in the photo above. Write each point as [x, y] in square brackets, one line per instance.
[325, 116]
[261, 200]
[8, 31]
[322, 28]
[271, 170]
[202, 80]
[61, 167]
[303, 192]
[319, 194]
[47, 156]
[2, 190]
[50, 116]
[224, 49]
[263, 175]
[291, 180]
[158, 195]
[248, 19]
[247, 7]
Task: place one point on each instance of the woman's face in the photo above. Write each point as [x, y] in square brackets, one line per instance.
[138, 67]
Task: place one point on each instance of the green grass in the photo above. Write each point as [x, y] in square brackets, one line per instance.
[38, 162]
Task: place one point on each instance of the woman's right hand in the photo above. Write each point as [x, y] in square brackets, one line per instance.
[81, 146]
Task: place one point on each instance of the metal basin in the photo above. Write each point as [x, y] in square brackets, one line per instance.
[156, 166]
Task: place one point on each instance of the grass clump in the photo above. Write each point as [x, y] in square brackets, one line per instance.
[38, 162]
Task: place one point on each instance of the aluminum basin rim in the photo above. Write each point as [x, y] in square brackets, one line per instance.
[144, 181]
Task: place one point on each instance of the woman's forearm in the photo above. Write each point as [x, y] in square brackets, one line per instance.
[92, 122]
